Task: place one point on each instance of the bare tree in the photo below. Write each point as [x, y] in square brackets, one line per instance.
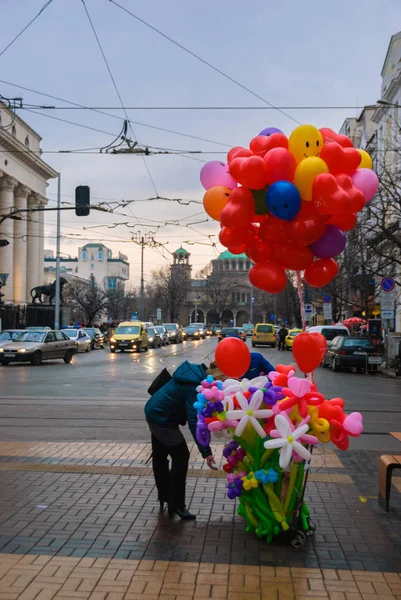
[122, 302]
[86, 299]
[169, 288]
[219, 289]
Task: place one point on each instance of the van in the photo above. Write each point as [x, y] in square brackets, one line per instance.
[329, 331]
[264, 334]
[129, 335]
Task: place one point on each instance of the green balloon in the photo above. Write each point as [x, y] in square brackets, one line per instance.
[259, 197]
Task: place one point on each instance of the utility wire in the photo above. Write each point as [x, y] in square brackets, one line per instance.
[118, 93]
[339, 107]
[205, 62]
[26, 27]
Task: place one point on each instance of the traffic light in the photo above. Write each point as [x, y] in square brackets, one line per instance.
[82, 201]
[4, 243]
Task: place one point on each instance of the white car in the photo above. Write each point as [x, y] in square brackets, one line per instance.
[81, 338]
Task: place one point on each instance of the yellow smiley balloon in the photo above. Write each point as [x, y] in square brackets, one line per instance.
[305, 174]
[366, 162]
[305, 141]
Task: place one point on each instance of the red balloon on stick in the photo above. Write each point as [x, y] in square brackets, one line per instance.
[268, 276]
[237, 249]
[307, 227]
[274, 230]
[238, 151]
[239, 209]
[308, 350]
[236, 236]
[280, 165]
[233, 357]
[293, 256]
[249, 172]
[259, 250]
[321, 272]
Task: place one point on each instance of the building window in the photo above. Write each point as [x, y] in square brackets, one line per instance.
[243, 296]
[13, 130]
[248, 265]
[227, 266]
[100, 254]
[240, 265]
[238, 297]
[92, 265]
[83, 254]
[27, 142]
[93, 257]
[112, 283]
[233, 265]
[233, 297]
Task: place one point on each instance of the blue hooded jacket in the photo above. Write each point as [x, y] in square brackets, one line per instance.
[173, 404]
[258, 365]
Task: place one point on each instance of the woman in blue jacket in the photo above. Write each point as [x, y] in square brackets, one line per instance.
[168, 408]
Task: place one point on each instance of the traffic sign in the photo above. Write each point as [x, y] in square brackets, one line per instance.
[272, 317]
[198, 298]
[387, 284]
[326, 298]
[387, 300]
[387, 314]
[308, 308]
[159, 314]
[327, 311]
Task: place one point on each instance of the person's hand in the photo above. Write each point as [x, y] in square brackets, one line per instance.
[211, 463]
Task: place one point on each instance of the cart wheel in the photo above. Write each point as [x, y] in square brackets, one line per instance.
[299, 540]
[312, 527]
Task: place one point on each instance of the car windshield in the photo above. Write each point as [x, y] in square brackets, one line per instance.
[129, 329]
[72, 333]
[90, 330]
[170, 327]
[160, 329]
[6, 335]
[247, 326]
[229, 331]
[294, 333]
[31, 336]
[360, 342]
[330, 334]
[190, 329]
[151, 331]
[265, 329]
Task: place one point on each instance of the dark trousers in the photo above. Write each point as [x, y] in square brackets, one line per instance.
[170, 483]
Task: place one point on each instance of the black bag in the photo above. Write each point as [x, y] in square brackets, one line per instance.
[162, 378]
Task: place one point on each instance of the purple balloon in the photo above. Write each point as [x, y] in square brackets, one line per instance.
[269, 131]
[216, 173]
[331, 244]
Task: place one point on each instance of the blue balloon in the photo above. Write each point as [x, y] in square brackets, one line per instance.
[283, 200]
[269, 131]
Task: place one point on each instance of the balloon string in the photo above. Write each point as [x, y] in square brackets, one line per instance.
[301, 300]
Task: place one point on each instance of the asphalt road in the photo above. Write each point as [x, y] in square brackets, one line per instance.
[100, 396]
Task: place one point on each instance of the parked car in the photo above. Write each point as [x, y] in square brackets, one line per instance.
[96, 336]
[249, 329]
[329, 331]
[8, 335]
[264, 334]
[155, 339]
[289, 340]
[237, 332]
[216, 329]
[163, 334]
[352, 352]
[192, 333]
[174, 332]
[81, 338]
[201, 328]
[129, 335]
[37, 346]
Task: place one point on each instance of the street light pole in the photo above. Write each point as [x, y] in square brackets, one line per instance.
[58, 240]
[251, 307]
[142, 242]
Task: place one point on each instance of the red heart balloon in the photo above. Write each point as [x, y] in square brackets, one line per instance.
[346, 221]
[237, 249]
[308, 226]
[321, 272]
[274, 230]
[308, 350]
[259, 250]
[332, 409]
[356, 197]
[236, 236]
[249, 172]
[280, 165]
[336, 195]
[268, 276]
[331, 136]
[239, 210]
[339, 159]
[293, 256]
[238, 151]
[261, 144]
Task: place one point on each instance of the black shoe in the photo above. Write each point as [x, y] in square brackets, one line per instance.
[183, 513]
[161, 502]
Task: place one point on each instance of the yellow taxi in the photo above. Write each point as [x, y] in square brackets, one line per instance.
[129, 335]
[289, 340]
[264, 335]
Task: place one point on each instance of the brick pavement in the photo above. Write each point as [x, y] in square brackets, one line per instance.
[81, 521]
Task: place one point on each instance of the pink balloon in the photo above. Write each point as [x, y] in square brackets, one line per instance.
[366, 181]
[216, 173]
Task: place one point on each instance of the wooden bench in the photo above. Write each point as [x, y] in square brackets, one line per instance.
[387, 465]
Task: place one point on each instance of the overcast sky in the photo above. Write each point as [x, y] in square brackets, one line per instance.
[290, 53]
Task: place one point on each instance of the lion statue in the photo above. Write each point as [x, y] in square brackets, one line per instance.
[47, 290]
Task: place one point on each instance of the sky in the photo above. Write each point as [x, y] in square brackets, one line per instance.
[290, 53]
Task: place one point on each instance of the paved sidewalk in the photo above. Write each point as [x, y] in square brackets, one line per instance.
[81, 520]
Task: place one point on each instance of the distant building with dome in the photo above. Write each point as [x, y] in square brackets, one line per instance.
[223, 296]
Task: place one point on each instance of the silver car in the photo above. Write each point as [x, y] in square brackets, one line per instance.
[8, 335]
[37, 346]
[81, 338]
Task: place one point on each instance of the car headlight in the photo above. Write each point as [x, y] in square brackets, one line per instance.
[112, 340]
[1, 350]
[22, 350]
[151, 339]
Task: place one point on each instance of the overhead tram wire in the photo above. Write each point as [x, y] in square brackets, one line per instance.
[101, 112]
[202, 60]
[41, 107]
[26, 27]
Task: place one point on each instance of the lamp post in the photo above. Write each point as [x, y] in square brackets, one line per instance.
[58, 254]
[143, 240]
[391, 104]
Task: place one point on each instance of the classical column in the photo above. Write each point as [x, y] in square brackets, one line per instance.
[33, 277]
[21, 193]
[43, 203]
[7, 185]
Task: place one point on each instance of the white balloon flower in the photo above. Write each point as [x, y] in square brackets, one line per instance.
[249, 413]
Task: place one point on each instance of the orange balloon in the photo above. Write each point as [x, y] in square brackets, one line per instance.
[215, 200]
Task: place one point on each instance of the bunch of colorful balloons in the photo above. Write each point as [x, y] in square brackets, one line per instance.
[286, 202]
[271, 424]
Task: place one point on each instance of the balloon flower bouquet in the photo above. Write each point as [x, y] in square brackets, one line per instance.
[271, 425]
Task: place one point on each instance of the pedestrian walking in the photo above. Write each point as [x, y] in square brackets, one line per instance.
[169, 407]
[282, 334]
